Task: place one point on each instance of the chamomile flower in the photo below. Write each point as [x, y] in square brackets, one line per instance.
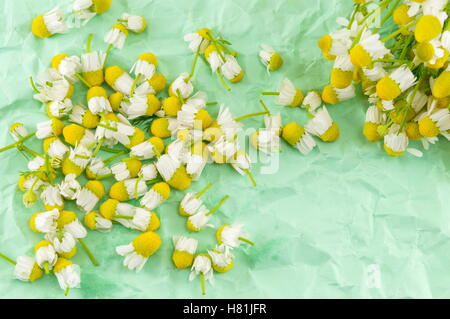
[198, 40]
[141, 105]
[45, 254]
[67, 273]
[224, 125]
[173, 172]
[196, 162]
[159, 193]
[190, 117]
[392, 85]
[428, 52]
[190, 204]
[154, 85]
[241, 162]
[69, 223]
[441, 87]
[144, 220]
[55, 149]
[134, 23]
[221, 259]
[333, 95]
[184, 251]
[374, 118]
[139, 250]
[90, 195]
[92, 67]
[312, 101]
[118, 79]
[97, 168]
[18, 131]
[231, 69]
[214, 58]
[374, 73]
[52, 198]
[127, 168]
[94, 221]
[223, 150]
[396, 143]
[200, 219]
[69, 188]
[77, 135]
[369, 49]
[95, 6]
[148, 149]
[52, 86]
[83, 117]
[36, 163]
[77, 161]
[27, 269]
[148, 172]
[429, 26]
[116, 129]
[271, 59]
[202, 267]
[48, 24]
[97, 100]
[289, 95]
[113, 210]
[44, 222]
[335, 44]
[323, 126]
[181, 86]
[403, 15]
[145, 66]
[434, 123]
[50, 128]
[68, 66]
[342, 72]
[130, 188]
[266, 140]
[170, 107]
[63, 242]
[232, 236]
[296, 136]
[116, 36]
[59, 109]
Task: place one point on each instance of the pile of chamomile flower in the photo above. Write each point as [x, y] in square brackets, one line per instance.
[403, 68]
[154, 144]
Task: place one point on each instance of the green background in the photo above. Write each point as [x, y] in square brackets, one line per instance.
[319, 222]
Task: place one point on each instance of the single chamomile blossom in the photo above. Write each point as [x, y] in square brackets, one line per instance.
[144, 220]
[55, 149]
[396, 143]
[232, 236]
[69, 188]
[139, 250]
[134, 23]
[224, 125]
[374, 118]
[435, 123]
[184, 251]
[113, 210]
[69, 223]
[48, 24]
[221, 259]
[296, 136]
[145, 66]
[271, 59]
[128, 189]
[52, 198]
[335, 44]
[181, 86]
[190, 117]
[374, 73]
[63, 242]
[53, 127]
[67, 273]
[159, 193]
[428, 52]
[323, 126]
[173, 172]
[154, 85]
[45, 255]
[198, 41]
[196, 162]
[127, 168]
[429, 26]
[90, 195]
[44, 222]
[141, 105]
[52, 86]
[148, 172]
[148, 149]
[116, 36]
[342, 72]
[200, 219]
[312, 101]
[191, 202]
[92, 67]
[27, 269]
[77, 161]
[394, 84]
[18, 131]
[97, 100]
[118, 79]
[241, 162]
[77, 135]
[164, 127]
[231, 69]
[369, 49]
[36, 163]
[59, 109]
[222, 150]
[84, 117]
[441, 86]
[288, 94]
[94, 221]
[265, 140]
[68, 66]
[178, 150]
[333, 95]
[214, 57]
[115, 129]
[87, 9]
[97, 169]
[202, 267]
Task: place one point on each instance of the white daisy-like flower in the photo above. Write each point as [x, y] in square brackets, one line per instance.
[396, 143]
[190, 204]
[83, 9]
[241, 162]
[46, 254]
[80, 156]
[226, 121]
[67, 273]
[232, 235]
[266, 140]
[182, 86]
[199, 220]
[88, 196]
[202, 266]
[374, 115]
[265, 54]
[288, 93]
[59, 109]
[51, 197]
[45, 222]
[372, 45]
[215, 60]
[221, 258]
[134, 23]
[116, 36]
[320, 124]
[155, 196]
[69, 67]
[195, 165]
[231, 68]
[375, 73]
[97, 167]
[69, 223]
[143, 151]
[52, 86]
[184, 245]
[92, 61]
[54, 21]
[69, 188]
[45, 129]
[99, 104]
[142, 220]
[95, 221]
[135, 186]
[62, 242]
[26, 269]
[167, 166]
[340, 42]
[195, 41]
[18, 131]
[36, 163]
[148, 172]
[312, 101]
[139, 250]
[57, 149]
[144, 69]
[223, 149]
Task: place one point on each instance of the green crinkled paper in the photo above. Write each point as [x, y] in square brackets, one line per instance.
[346, 221]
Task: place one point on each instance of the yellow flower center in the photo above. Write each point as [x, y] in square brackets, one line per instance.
[101, 6]
[222, 269]
[370, 132]
[119, 192]
[332, 134]
[401, 16]
[90, 120]
[329, 95]
[108, 208]
[94, 78]
[392, 153]
[36, 273]
[137, 138]
[180, 179]
[388, 89]
[276, 61]
[73, 133]
[171, 106]
[154, 222]
[61, 263]
[182, 259]
[159, 128]
[57, 60]
[341, 79]
[112, 73]
[428, 128]
[149, 57]
[203, 116]
[292, 133]
[147, 244]
[97, 188]
[360, 57]
[441, 87]
[425, 51]
[39, 28]
[96, 91]
[238, 77]
[115, 99]
[325, 43]
[158, 82]
[157, 143]
[163, 189]
[90, 220]
[412, 131]
[428, 28]
[65, 218]
[69, 167]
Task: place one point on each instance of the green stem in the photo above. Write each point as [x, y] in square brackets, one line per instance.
[109, 159]
[88, 252]
[108, 50]
[23, 147]
[245, 240]
[153, 181]
[180, 96]
[46, 268]
[394, 34]
[110, 150]
[199, 194]
[219, 74]
[107, 127]
[194, 63]
[66, 292]
[34, 85]
[211, 103]
[270, 93]
[102, 177]
[133, 87]
[99, 145]
[406, 46]
[88, 44]
[250, 176]
[387, 16]
[202, 283]
[123, 217]
[122, 20]
[218, 205]
[352, 18]
[250, 115]
[136, 194]
[7, 259]
[83, 80]
[15, 144]
[264, 106]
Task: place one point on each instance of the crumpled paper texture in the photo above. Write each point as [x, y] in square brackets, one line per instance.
[345, 221]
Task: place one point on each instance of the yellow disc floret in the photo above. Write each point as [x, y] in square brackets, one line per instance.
[341, 79]
[204, 117]
[388, 89]
[39, 28]
[119, 192]
[163, 189]
[171, 106]
[159, 128]
[370, 131]
[292, 133]
[276, 61]
[441, 87]
[97, 188]
[112, 73]
[329, 95]
[158, 82]
[115, 100]
[182, 259]
[412, 131]
[90, 220]
[154, 222]
[360, 57]
[108, 208]
[101, 6]
[428, 27]
[147, 244]
[61, 263]
[137, 138]
[332, 134]
[428, 128]
[66, 217]
[73, 133]
[149, 57]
